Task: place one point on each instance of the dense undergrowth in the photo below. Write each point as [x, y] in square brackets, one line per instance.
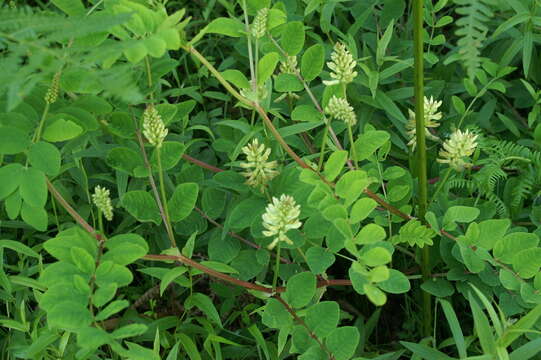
[257, 179]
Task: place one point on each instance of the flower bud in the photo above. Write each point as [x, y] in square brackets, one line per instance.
[339, 108]
[52, 92]
[259, 26]
[259, 171]
[154, 129]
[103, 202]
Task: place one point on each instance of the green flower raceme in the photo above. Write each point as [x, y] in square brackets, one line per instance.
[279, 217]
[431, 116]
[289, 65]
[339, 108]
[259, 26]
[457, 150]
[342, 66]
[259, 171]
[154, 129]
[52, 92]
[102, 200]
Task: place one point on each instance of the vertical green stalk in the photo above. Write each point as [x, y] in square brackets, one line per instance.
[276, 267]
[253, 69]
[37, 135]
[421, 149]
[100, 221]
[351, 145]
[164, 197]
[149, 77]
[324, 142]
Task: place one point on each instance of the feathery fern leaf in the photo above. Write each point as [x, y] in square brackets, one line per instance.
[472, 30]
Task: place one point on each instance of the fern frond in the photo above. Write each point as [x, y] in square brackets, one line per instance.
[522, 188]
[488, 177]
[472, 31]
[459, 184]
[501, 208]
[414, 233]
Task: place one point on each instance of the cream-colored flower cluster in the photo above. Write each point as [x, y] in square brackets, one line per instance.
[457, 150]
[342, 65]
[280, 216]
[339, 108]
[102, 200]
[154, 129]
[289, 65]
[52, 93]
[431, 116]
[259, 26]
[259, 171]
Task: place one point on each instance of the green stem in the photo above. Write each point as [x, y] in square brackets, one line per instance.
[421, 149]
[149, 77]
[324, 144]
[100, 221]
[37, 136]
[250, 54]
[276, 267]
[476, 97]
[164, 198]
[441, 184]
[351, 145]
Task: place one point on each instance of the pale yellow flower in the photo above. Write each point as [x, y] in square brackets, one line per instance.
[457, 150]
[259, 171]
[279, 217]
[431, 116]
[342, 65]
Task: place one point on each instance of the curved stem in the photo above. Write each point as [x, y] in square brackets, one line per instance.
[441, 184]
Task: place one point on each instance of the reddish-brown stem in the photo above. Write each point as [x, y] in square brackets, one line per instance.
[74, 214]
[314, 101]
[187, 261]
[181, 258]
[201, 164]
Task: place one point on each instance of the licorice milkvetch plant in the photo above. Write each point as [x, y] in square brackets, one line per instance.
[265, 180]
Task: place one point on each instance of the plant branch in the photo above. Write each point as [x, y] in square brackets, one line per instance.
[201, 163]
[303, 324]
[74, 214]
